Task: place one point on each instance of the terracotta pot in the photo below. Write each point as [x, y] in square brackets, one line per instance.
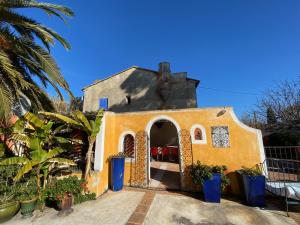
[66, 202]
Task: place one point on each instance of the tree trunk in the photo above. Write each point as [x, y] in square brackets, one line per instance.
[89, 158]
[38, 184]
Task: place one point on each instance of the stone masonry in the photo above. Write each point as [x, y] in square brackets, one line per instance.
[139, 89]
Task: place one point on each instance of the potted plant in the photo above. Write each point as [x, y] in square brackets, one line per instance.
[117, 171]
[62, 192]
[211, 178]
[225, 181]
[8, 205]
[254, 186]
[28, 197]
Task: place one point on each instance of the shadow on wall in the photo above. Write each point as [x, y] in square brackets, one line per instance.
[145, 90]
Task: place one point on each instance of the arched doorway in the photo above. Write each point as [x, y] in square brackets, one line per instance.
[164, 157]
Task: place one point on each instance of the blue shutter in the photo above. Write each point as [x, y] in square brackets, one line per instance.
[103, 103]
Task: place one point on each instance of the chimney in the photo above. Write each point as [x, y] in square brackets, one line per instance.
[164, 67]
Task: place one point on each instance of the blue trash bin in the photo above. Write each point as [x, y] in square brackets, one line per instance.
[254, 187]
[117, 173]
[212, 188]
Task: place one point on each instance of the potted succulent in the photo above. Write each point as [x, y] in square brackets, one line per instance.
[117, 171]
[28, 197]
[254, 186]
[211, 178]
[8, 205]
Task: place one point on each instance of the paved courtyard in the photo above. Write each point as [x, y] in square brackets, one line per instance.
[138, 206]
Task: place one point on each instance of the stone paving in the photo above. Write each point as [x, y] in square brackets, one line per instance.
[134, 206]
[182, 210]
[112, 208]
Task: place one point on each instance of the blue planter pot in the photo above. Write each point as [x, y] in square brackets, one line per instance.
[254, 187]
[117, 173]
[212, 188]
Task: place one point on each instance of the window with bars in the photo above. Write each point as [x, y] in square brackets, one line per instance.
[128, 146]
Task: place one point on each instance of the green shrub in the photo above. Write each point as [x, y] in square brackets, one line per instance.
[83, 198]
[56, 190]
[201, 172]
[58, 187]
[256, 171]
[8, 189]
[27, 190]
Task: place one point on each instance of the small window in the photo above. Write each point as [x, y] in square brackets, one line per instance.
[198, 134]
[128, 99]
[103, 103]
[220, 136]
[128, 145]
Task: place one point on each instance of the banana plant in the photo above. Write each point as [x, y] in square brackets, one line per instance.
[90, 127]
[6, 133]
[43, 148]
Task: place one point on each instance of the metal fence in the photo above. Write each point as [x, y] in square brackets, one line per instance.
[283, 163]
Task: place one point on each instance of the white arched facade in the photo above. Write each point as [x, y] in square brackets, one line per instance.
[203, 132]
[121, 142]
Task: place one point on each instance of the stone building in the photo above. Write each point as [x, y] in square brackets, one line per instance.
[139, 89]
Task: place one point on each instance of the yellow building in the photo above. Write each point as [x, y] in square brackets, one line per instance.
[211, 135]
[153, 117]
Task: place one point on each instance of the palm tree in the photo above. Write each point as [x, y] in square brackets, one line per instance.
[90, 127]
[22, 57]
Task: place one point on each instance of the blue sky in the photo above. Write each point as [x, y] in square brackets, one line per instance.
[230, 45]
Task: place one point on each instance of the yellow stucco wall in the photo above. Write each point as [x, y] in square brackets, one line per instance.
[245, 143]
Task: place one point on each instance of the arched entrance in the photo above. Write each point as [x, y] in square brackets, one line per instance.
[163, 153]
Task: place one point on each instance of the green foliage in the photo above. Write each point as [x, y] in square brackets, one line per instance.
[56, 190]
[8, 189]
[27, 190]
[58, 187]
[201, 172]
[41, 142]
[90, 127]
[256, 171]
[79, 198]
[43, 147]
[225, 181]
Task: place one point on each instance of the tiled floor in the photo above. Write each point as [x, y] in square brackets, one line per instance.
[165, 175]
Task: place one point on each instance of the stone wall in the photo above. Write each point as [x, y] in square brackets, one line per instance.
[147, 90]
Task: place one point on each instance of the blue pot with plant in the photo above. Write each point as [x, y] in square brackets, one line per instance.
[254, 186]
[117, 171]
[212, 180]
